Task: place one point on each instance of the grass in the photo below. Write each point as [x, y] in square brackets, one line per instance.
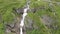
[6, 11]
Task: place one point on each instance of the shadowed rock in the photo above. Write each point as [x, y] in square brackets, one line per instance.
[19, 10]
[13, 27]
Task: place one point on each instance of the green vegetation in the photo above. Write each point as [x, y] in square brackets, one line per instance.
[6, 10]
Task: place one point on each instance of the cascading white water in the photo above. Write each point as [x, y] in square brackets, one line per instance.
[23, 17]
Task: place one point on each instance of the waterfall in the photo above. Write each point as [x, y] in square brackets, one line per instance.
[23, 17]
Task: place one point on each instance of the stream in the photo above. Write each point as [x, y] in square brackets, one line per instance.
[23, 17]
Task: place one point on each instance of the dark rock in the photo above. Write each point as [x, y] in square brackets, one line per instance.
[19, 10]
[13, 27]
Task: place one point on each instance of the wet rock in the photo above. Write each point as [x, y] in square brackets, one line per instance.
[21, 10]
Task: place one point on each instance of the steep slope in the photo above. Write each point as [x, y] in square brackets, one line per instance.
[45, 18]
